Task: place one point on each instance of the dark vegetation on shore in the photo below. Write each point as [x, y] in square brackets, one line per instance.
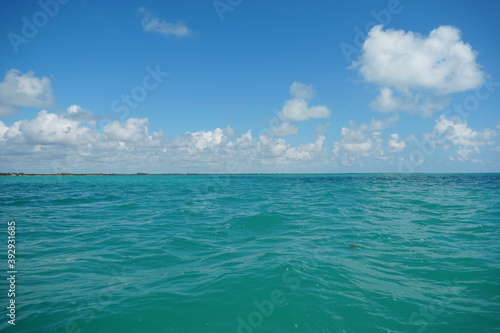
[22, 174]
[83, 174]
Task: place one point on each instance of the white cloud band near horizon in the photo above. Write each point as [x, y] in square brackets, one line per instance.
[55, 141]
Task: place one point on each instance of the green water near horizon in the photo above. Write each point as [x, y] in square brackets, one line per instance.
[254, 253]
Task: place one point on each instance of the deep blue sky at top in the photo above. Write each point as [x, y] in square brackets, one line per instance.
[235, 70]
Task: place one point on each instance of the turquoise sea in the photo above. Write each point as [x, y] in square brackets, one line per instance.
[253, 253]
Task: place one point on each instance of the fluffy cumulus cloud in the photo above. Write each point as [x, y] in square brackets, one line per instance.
[152, 23]
[49, 128]
[395, 145]
[357, 141]
[414, 72]
[226, 147]
[305, 151]
[283, 128]
[3, 130]
[19, 90]
[196, 142]
[205, 139]
[298, 109]
[77, 113]
[67, 141]
[132, 130]
[390, 99]
[457, 133]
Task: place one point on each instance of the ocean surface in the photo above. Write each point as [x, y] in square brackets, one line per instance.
[253, 253]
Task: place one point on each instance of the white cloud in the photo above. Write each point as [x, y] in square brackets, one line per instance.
[3, 130]
[50, 135]
[206, 139]
[379, 125]
[302, 91]
[243, 141]
[297, 108]
[296, 154]
[458, 134]
[151, 23]
[416, 72]
[358, 147]
[271, 147]
[77, 113]
[49, 128]
[390, 100]
[386, 101]
[284, 128]
[465, 153]
[208, 143]
[305, 151]
[55, 143]
[70, 142]
[19, 90]
[395, 144]
[361, 141]
[230, 131]
[216, 147]
[132, 130]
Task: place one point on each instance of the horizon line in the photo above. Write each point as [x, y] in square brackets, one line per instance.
[7, 174]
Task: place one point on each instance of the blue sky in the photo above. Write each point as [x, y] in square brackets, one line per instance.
[249, 86]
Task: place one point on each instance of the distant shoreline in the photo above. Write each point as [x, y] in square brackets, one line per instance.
[21, 174]
[15, 174]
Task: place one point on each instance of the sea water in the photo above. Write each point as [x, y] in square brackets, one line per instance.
[253, 253]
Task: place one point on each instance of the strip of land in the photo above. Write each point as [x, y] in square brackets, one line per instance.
[22, 174]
